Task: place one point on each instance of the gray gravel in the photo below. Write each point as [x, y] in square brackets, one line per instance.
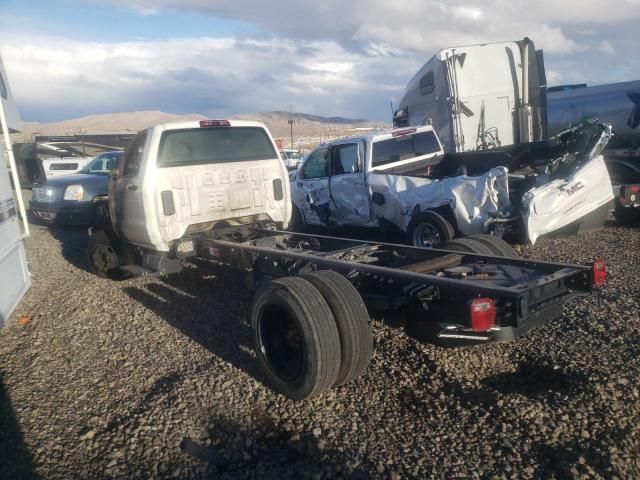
[117, 379]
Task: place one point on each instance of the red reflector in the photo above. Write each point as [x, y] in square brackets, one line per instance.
[215, 123]
[622, 199]
[483, 314]
[400, 133]
[634, 188]
[599, 272]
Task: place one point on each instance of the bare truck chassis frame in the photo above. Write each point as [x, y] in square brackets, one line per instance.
[311, 310]
[432, 286]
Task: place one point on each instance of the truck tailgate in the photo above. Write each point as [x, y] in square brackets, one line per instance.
[563, 201]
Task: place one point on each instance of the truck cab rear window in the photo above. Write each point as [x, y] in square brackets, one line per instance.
[404, 148]
[214, 145]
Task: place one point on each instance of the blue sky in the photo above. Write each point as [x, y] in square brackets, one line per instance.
[112, 23]
[69, 58]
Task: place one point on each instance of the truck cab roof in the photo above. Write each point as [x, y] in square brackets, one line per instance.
[199, 123]
[382, 135]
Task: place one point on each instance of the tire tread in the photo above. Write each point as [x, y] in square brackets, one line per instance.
[352, 319]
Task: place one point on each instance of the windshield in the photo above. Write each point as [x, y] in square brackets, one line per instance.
[103, 163]
[215, 145]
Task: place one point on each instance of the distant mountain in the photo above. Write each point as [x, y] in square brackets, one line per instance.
[106, 123]
[308, 130]
[302, 117]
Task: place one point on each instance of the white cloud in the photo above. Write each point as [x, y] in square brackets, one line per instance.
[411, 22]
[606, 47]
[327, 57]
[144, 11]
[205, 75]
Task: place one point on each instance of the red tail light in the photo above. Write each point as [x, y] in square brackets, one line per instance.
[599, 272]
[634, 189]
[214, 123]
[483, 314]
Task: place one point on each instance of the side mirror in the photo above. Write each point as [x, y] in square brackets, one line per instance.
[114, 174]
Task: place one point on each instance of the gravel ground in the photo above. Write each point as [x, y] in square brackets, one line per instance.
[109, 379]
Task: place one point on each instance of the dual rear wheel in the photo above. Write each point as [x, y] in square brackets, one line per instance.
[311, 333]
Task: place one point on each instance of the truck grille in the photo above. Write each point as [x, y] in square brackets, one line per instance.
[46, 194]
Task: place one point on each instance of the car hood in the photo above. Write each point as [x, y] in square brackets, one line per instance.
[77, 179]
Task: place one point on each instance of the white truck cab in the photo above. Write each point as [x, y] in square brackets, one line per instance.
[180, 179]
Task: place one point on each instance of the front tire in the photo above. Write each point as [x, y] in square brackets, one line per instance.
[428, 230]
[106, 256]
[296, 338]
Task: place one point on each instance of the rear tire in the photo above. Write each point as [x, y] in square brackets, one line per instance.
[497, 245]
[296, 338]
[429, 229]
[352, 319]
[467, 244]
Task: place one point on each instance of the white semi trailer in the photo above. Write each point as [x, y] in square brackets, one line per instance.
[15, 278]
[479, 97]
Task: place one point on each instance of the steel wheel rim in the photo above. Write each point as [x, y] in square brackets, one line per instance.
[426, 235]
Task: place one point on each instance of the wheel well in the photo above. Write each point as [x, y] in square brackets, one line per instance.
[445, 211]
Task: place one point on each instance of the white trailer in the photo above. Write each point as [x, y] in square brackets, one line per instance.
[15, 278]
[479, 97]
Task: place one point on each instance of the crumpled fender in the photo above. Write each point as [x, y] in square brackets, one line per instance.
[563, 201]
[473, 200]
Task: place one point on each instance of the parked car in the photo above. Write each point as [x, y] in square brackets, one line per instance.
[625, 178]
[402, 180]
[75, 199]
[291, 158]
[60, 167]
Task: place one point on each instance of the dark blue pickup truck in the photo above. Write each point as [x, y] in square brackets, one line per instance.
[72, 199]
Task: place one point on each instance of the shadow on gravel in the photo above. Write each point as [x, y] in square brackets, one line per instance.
[534, 380]
[73, 243]
[266, 450]
[580, 457]
[206, 305]
[15, 459]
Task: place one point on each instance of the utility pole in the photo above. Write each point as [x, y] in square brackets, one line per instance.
[82, 133]
[291, 122]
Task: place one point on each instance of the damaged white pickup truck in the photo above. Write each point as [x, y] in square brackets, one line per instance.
[402, 180]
